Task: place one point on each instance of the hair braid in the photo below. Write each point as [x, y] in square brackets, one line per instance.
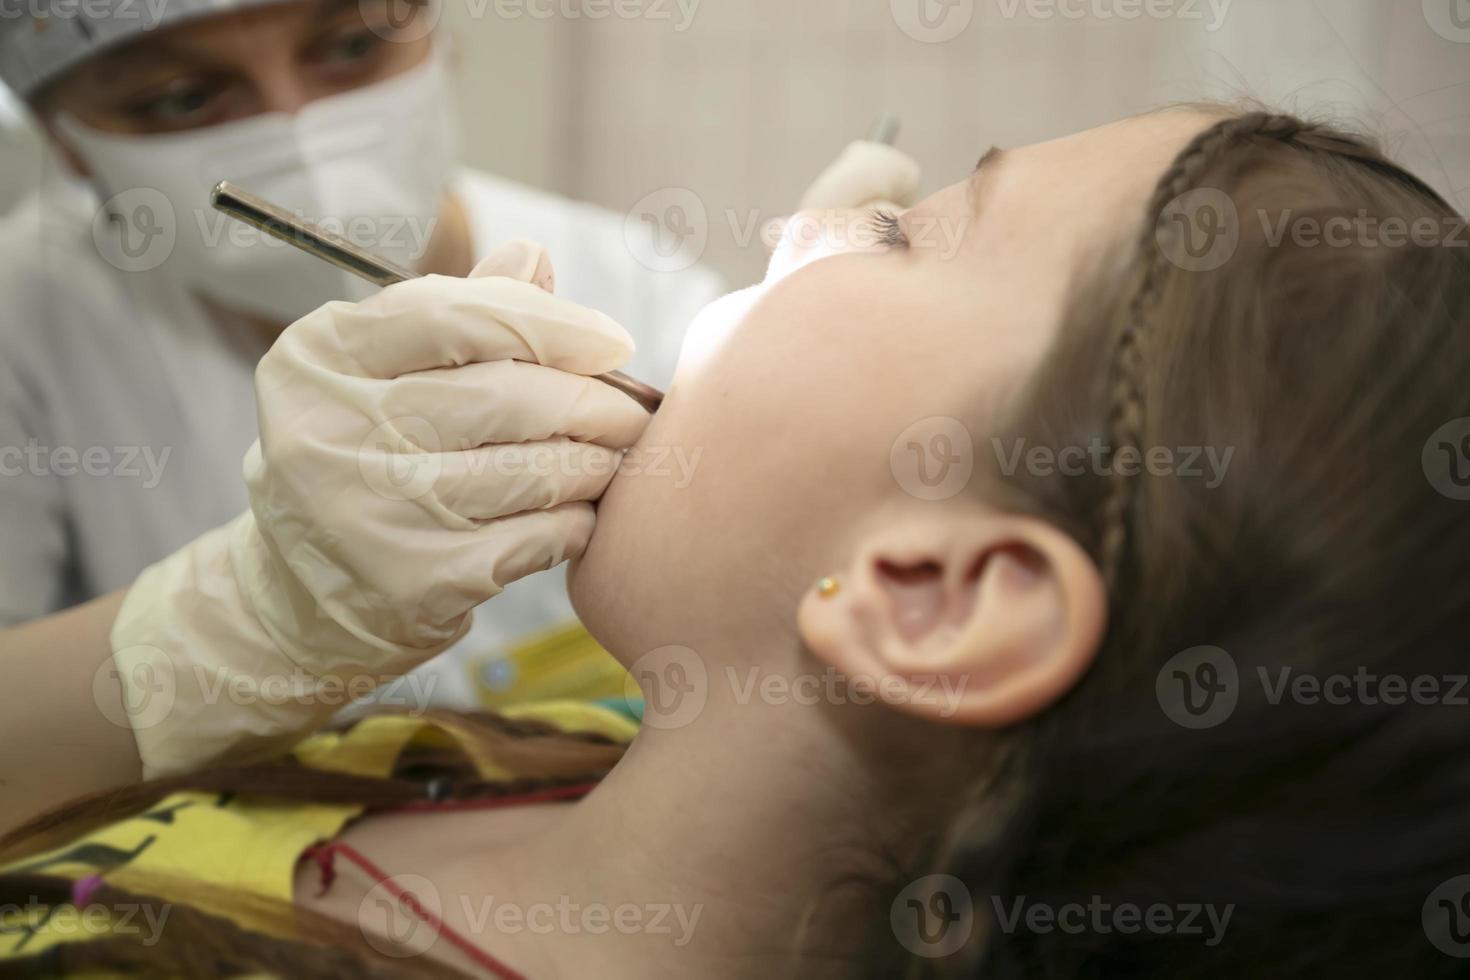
[1126, 420]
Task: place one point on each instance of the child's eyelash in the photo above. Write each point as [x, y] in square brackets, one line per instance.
[889, 228]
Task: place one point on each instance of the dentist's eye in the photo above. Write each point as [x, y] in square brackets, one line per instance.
[890, 230]
[348, 48]
[178, 106]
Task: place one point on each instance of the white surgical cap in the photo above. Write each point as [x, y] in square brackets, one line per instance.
[42, 39]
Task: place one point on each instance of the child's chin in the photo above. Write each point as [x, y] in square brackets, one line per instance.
[587, 590]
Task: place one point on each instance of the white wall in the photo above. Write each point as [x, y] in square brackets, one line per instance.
[511, 85]
[755, 96]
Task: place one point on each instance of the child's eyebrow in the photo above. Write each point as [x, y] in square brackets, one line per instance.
[987, 162]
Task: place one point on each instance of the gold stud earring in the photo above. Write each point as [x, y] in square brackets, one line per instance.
[827, 587]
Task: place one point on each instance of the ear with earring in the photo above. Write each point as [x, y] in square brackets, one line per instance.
[1004, 612]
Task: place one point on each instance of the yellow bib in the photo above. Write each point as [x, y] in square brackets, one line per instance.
[215, 851]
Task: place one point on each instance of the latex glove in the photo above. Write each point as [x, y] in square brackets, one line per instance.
[866, 175]
[835, 214]
[418, 452]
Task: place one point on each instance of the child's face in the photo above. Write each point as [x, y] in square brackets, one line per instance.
[803, 408]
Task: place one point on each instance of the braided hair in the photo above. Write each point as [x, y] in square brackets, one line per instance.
[1323, 827]
[1155, 245]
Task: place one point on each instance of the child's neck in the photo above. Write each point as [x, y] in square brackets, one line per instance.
[723, 843]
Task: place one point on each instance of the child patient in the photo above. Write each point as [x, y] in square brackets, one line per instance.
[958, 658]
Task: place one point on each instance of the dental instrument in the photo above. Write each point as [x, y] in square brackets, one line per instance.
[315, 240]
[886, 129]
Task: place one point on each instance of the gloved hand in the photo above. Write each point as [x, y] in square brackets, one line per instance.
[418, 452]
[834, 214]
[866, 175]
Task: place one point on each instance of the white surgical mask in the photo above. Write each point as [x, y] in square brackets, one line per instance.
[371, 164]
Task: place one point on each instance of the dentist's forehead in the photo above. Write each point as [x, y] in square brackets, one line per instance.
[62, 35]
[184, 45]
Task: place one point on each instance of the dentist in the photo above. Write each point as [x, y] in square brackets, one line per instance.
[135, 315]
[385, 494]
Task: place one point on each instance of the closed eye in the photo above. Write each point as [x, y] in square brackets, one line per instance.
[890, 230]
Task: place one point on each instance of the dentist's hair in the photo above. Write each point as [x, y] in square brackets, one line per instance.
[1329, 377]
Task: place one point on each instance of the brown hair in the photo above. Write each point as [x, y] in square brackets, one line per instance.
[1327, 549]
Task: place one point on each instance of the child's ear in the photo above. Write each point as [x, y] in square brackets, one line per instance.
[985, 620]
